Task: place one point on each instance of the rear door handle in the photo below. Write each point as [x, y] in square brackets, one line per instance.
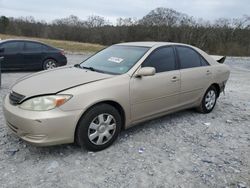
[208, 72]
[175, 79]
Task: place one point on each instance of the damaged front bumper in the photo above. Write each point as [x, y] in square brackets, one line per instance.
[41, 128]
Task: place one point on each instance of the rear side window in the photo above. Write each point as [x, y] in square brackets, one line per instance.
[12, 47]
[49, 48]
[162, 60]
[33, 47]
[188, 57]
[204, 62]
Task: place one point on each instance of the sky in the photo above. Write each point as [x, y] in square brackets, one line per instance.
[49, 10]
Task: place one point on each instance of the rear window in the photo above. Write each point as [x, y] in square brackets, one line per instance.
[33, 47]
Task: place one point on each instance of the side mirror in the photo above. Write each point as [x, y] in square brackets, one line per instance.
[146, 71]
[1, 50]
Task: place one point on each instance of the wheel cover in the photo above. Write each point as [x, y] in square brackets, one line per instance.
[50, 65]
[102, 129]
[210, 99]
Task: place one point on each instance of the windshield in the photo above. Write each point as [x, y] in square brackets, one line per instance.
[115, 59]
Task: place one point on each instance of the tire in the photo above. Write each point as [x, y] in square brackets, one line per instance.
[208, 101]
[49, 64]
[98, 128]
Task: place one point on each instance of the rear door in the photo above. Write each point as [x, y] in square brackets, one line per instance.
[195, 75]
[12, 54]
[152, 95]
[33, 55]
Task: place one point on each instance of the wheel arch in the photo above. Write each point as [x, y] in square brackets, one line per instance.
[115, 104]
[47, 58]
[217, 87]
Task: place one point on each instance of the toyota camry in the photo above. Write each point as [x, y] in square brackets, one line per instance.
[116, 88]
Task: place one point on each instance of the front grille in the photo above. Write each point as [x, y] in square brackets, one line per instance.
[15, 98]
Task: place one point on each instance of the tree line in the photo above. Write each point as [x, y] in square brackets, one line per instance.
[222, 36]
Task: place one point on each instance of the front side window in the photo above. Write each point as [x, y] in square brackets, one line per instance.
[12, 47]
[163, 59]
[188, 58]
[116, 59]
[33, 47]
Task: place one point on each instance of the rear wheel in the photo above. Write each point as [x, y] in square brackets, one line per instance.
[49, 64]
[209, 100]
[99, 127]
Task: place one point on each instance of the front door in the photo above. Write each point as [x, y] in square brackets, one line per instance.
[151, 95]
[12, 54]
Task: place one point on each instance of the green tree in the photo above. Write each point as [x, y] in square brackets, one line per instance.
[4, 22]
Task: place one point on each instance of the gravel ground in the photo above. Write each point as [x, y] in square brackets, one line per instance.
[185, 149]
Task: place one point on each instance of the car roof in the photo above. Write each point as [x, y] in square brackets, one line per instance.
[21, 40]
[150, 44]
[159, 44]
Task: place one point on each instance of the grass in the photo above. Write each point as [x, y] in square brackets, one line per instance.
[66, 45]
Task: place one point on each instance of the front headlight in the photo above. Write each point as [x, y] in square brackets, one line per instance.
[44, 103]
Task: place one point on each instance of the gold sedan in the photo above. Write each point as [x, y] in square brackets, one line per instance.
[120, 86]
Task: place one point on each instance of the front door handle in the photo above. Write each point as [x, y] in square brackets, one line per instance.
[175, 79]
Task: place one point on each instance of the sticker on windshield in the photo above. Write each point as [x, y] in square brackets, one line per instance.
[115, 59]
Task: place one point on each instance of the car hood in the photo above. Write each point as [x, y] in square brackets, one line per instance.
[56, 80]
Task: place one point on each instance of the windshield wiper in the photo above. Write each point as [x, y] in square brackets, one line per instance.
[77, 66]
[82, 67]
[90, 68]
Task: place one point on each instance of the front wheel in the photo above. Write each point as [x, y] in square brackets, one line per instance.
[98, 128]
[49, 64]
[209, 100]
